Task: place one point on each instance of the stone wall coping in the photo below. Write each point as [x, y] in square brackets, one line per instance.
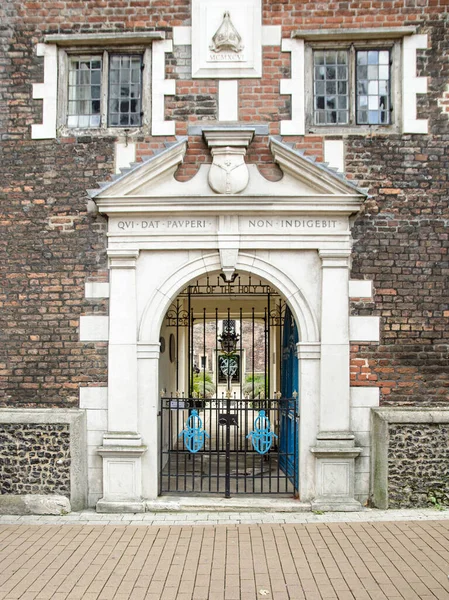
[78, 442]
[412, 414]
[354, 34]
[46, 415]
[381, 418]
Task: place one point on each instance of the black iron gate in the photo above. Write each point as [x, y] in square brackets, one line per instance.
[222, 449]
[226, 433]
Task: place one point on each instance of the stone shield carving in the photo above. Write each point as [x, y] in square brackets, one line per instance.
[226, 37]
[228, 173]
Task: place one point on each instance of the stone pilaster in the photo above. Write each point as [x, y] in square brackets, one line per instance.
[122, 448]
[309, 397]
[335, 450]
[149, 410]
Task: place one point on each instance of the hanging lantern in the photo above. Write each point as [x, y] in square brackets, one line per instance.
[228, 341]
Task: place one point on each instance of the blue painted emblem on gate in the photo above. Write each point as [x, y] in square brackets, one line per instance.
[194, 434]
[262, 437]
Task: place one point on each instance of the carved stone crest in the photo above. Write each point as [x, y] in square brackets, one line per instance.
[226, 37]
[228, 173]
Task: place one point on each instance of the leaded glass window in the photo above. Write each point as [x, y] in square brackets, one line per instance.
[125, 91]
[373, 87]
[84, 92]
[331, 94]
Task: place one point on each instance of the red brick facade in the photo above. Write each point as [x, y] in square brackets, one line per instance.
[50, 245]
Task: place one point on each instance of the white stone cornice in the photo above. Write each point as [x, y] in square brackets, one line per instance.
[122, 259]
[148, 351]
[158, 166]
[218, 137]
[308, 351]
[364, 33]
[104, 39]
[306, 170]
[335, 258]
[307, 188]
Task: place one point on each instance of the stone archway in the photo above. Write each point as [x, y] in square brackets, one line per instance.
[295, 234]
[158, 304]
[148, 359]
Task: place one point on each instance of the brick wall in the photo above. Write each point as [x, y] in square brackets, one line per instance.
[50, 245]
[401, 242]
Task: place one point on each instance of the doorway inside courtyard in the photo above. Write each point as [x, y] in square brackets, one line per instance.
[229, 409]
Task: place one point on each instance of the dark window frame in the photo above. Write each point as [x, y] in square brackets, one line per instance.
[67, 54]
[130, 99]
[394, 46]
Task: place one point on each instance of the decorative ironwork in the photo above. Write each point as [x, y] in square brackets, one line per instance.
[229, 463]
[238, 287]
[262, 436]
[194, 434]
[251, 432]
[277, 314]
[228, 367]
[177, 316]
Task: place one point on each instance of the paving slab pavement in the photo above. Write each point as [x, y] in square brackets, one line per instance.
[215, 517]
[354, 559]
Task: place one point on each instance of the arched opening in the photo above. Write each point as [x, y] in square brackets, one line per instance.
[228, 376]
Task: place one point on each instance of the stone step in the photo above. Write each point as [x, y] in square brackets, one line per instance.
[192, 504]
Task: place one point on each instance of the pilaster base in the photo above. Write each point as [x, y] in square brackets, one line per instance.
[336, 505]
[104, 506]
[122, 473]
[335, 457]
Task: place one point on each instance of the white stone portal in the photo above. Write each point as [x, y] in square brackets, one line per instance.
[295, 235]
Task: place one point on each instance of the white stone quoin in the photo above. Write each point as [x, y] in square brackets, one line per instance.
[295, 234]
[47, 92]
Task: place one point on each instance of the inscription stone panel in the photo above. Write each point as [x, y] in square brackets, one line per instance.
[202, 224]
[162, 225]
[289, 224]
[226, 38]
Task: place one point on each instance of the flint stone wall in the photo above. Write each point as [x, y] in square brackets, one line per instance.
[35, 458]
[418, 464]
[43, 452]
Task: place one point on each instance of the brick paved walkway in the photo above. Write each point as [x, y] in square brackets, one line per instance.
[345, 561]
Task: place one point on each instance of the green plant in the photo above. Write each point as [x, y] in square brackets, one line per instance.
[203, 385]
[438, 499]
[254, 386]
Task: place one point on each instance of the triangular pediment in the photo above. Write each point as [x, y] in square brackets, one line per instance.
[153, 182]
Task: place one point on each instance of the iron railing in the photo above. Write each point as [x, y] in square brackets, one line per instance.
[229, 446]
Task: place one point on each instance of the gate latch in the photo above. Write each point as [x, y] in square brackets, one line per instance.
[230, 419]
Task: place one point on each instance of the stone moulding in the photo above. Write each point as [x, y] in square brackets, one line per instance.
[78, 443]
[380, 421]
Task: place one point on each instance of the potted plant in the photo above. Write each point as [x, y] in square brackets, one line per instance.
[203, 388]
